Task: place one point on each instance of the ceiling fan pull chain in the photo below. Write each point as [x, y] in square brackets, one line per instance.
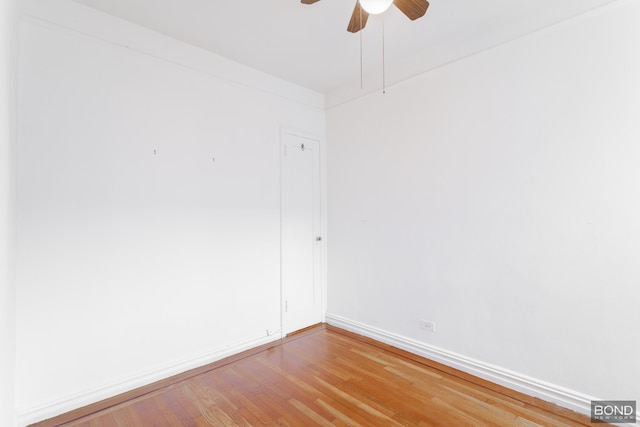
[361, 71]
[384, 88]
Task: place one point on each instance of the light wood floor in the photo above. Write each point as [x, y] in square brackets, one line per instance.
[325, 377]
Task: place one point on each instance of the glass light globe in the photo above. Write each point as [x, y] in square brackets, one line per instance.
[375, 7]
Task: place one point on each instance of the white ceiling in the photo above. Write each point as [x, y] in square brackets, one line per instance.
[309, 45]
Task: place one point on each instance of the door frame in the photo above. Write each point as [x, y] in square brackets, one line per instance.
[284, 130]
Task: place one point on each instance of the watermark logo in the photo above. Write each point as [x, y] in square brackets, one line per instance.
[613, 411]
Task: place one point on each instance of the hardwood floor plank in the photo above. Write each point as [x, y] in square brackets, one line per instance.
[456, 414]
[353, 389]
[325, 377]
[313, 415]
[339, 415]
[379, 417]
[233, 384]
[183, 416]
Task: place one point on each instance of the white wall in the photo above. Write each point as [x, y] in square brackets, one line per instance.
[499, 196]
[8, 128]
[138, 254]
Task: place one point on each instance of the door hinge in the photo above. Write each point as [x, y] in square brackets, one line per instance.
[286, 306]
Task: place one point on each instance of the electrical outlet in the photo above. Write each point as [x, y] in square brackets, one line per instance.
[428, 325]
[272, 332]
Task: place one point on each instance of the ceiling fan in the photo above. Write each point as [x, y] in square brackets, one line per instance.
[413, 9]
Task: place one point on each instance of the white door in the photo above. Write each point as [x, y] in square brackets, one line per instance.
[302, 242]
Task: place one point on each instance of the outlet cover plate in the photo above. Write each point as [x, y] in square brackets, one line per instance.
[428, 325]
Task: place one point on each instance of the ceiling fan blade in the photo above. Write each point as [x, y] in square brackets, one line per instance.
[308, 1]
[358, 19]
[414, 9]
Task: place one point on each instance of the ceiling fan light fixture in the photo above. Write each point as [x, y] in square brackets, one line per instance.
[375, 7]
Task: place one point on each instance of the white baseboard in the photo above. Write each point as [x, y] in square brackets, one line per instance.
[533, 387]
[69, 403]
[552, 393]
